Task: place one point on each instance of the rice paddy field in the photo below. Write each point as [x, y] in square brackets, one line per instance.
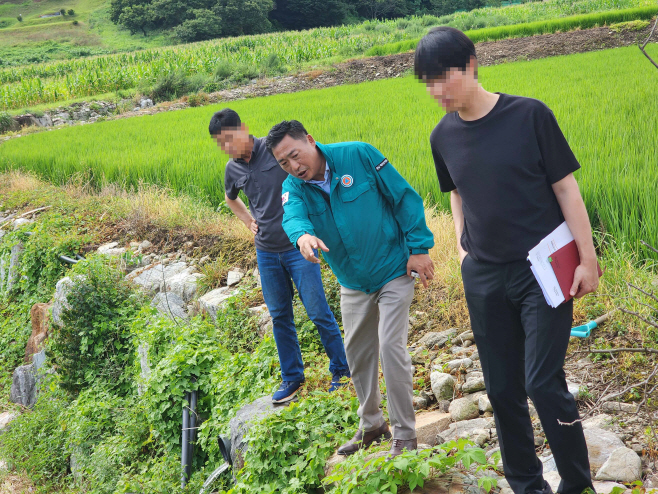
[64, 80]
[606, 103]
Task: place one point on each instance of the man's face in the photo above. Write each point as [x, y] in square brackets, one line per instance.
[235, 142]
[299, 157]
[455, 88]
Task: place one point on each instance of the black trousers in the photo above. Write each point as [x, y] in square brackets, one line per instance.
[522, 343]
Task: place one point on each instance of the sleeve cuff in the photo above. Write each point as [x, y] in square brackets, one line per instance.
[419, 251]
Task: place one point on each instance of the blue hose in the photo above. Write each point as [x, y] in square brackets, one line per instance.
[585, 330]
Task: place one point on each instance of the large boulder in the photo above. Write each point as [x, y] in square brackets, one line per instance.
[25, 380]
[153, 278]
[184, 284]
[40, 316]
[600, 445]
[442, 385]
[170, 304]
[601, 421]
[246, 417]
[60, 303]
[213, 302]
[623, 465]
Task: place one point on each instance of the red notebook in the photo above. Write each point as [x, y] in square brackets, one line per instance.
[564, 262]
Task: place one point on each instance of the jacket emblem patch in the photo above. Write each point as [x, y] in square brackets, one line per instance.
[284, 198]
[347, 180]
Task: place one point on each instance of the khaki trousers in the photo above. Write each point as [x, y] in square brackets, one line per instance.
[376, 326]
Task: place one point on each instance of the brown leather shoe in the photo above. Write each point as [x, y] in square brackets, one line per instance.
[364, 439]
[400, 444]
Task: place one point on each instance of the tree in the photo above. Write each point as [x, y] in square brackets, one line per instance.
[241, 17]
[205, 25]
[71, 12]
[20, 18]
[137, 18]
[62, 11]
[380, 9]
[306, 14]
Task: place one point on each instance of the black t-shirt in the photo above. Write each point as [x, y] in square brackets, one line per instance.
[503, 166]
[261, 180]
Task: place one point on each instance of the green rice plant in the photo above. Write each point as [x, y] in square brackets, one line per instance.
[529, 29]
[173, 149]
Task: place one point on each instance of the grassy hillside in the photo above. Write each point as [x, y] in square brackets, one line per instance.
[396, 115]
[39, 39]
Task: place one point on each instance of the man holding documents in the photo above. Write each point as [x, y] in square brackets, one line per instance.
[509, 171]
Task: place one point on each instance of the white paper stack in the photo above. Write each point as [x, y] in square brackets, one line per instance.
[541, 266]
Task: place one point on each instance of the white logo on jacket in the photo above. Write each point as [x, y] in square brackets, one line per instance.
[284, 198]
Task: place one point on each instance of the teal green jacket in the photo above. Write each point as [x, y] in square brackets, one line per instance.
[371, 222]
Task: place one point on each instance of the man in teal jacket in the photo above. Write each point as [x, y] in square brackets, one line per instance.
[347, 200]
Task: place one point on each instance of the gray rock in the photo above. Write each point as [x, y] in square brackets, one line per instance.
[246, 417]
[10, 266]
[601, 421]
[473, 384]
[442, 385]
[574, 389]
[145, 245]
[484, 405]
[600, 445]
[234, 276]
[184, 284]
[549, 464]
[25, 380]
[111, 249]
[62, 289]
[153, 277]
[615, 406]
[212, 302]
[434, 340]
[420, 402]
[553, 479]
[145, 103]
[623, 465]
[170, 305]
[464, 337]
[463, 409]
[143, 352]
[5, 419]
[606, 487]
[463, 363]
[465, 428]
[19, 222]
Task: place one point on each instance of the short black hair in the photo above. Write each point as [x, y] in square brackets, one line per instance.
[292, 128]
[224, 119]
[441, 49]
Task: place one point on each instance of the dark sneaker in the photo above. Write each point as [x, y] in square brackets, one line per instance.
[286, 391]
[335, 382]
[401, 444]
[364, 439]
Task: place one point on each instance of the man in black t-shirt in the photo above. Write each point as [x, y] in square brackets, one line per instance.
[509, 171]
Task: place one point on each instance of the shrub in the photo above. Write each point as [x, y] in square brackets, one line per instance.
[224, 70]
[75, 22]
[196, 82]
[20, 18]
[6, 122]
[244, 72]
[36, 442]
[402, 24]
[273, 65]
[62, 11]
[198, 99]
[71, 12]
[95, 343]
[169, 87]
